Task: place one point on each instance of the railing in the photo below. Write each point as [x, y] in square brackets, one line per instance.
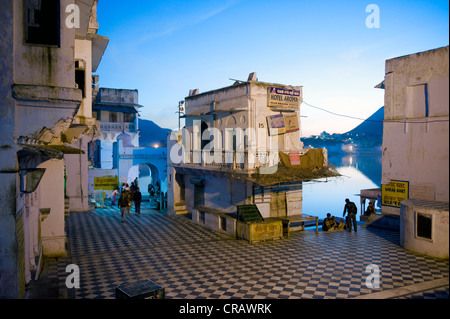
[229, 160]
[118, 127]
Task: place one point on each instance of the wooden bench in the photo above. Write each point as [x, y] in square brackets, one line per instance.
[287, 221]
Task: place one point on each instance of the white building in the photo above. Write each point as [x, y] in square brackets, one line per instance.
[46, 113]
[117, 111]
[116, 153]
[240, 146]
[415, 163]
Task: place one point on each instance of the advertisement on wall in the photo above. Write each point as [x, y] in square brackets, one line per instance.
[281, 124]
[291, 122]
[276, 124]
[288, 98]
[106, 183]
[393, 193]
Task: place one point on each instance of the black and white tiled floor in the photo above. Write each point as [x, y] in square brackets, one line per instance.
[192, 262]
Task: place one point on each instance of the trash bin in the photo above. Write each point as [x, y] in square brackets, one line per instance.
[145, 289]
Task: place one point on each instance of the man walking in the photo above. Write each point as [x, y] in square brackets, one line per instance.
[124, 204]
[352, 210]
[137, 201]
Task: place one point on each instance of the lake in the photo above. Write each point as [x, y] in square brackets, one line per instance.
[359, 171]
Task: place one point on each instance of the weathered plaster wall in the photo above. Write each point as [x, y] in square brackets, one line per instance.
[436, 246]
[52, 197]
[416, 146]
[77, 184]
[43, 65]
[8, 159]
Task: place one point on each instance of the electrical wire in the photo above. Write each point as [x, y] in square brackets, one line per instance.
[341, 115]
[403, 121]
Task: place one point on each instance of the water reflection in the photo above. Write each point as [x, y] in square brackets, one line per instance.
[328, 196]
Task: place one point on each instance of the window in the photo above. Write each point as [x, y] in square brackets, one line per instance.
[129, 118]
[80, 81]
[202, 218]
[424, 226]
[113, 117]
[417, 101]
[42, 22]
[223, 223]
[80, 76]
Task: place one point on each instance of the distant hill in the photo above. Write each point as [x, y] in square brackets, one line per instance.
[372, 126]
[366, 136]
[152, 134]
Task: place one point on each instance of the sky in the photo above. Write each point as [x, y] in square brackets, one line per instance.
[166, 48]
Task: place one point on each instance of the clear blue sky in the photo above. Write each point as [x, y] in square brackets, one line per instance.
[166, 48]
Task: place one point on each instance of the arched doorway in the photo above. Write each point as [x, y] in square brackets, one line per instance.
[146, 174]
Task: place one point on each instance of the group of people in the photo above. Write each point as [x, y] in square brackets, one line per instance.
[330, 223]
[125, 196]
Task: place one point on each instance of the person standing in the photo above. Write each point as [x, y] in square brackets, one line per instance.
[352, 210]
[137, 201]
[114, 196]
[370, 209]
[124, 204]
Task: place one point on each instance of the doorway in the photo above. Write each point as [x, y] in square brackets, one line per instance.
[278, 205]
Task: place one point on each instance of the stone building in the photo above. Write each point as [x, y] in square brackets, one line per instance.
[241, 145]
[46, 70]
[415, 162]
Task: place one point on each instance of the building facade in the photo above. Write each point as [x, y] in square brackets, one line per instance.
[46, 110]
[241, 145]
[116, 111]
[415, 162]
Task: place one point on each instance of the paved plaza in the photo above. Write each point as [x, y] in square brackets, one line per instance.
[193, 262]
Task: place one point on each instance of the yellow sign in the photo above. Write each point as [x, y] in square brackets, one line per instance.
[284, 97]
[393, 193]
[106, 183]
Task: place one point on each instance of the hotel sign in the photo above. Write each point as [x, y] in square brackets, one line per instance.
[288, 98]
[393, 193]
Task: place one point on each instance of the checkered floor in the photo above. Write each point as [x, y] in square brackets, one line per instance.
[192, 262]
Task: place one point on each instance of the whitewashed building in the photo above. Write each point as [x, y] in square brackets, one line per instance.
[115, 154]
[241, 145]
[46, 113]
[415, 162]
[116, 111]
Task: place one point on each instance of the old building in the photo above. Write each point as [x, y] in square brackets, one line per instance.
[46, 68]
[415, 162]
[117, 111]
[241, 145]
[115, 155]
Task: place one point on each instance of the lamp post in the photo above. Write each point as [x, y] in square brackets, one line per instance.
[180, 111]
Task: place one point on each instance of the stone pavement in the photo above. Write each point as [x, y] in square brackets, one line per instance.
[193, 262]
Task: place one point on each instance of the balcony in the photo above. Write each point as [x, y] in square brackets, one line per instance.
[226, 160]
[118, 127]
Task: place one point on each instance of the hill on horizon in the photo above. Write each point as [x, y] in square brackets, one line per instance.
[371, 126]
[152, 134]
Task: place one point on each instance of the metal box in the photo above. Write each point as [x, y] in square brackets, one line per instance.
[145, 289]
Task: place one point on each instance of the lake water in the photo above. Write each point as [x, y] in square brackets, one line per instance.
[328, 196]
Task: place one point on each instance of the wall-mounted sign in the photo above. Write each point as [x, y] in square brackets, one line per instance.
[283, 123]
[288, 98]
[276, 124]
[106, 183]
[295, 159]
[393, 193]
[291, 122]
